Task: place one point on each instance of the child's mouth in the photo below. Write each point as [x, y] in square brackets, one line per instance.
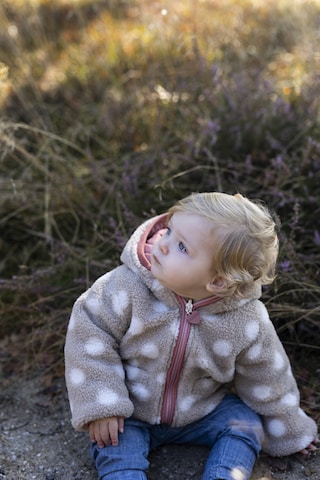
[155, 258]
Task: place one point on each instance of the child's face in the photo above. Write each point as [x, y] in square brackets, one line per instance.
[182, 259]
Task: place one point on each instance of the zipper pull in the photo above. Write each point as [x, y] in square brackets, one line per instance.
[193, 316]
[189, 307]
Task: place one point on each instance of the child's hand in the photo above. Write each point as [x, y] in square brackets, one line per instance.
[311, 447]
[105, 431]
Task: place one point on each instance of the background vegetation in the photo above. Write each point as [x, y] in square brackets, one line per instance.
[113, 109]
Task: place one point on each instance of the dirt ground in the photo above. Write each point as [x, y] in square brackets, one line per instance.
[37, 442]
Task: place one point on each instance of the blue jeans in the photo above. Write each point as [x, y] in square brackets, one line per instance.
[233, 432]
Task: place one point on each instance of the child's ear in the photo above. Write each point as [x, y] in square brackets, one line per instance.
[217, 284]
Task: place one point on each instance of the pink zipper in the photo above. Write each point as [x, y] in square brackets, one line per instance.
[190, 316]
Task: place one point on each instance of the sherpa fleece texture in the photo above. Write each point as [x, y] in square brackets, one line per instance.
[119, 345]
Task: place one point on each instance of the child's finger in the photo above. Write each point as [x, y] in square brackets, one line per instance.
[113, 431]
[121, 424]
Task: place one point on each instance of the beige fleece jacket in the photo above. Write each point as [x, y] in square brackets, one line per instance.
[121, 339]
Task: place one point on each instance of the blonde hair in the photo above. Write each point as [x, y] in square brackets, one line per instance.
[245, 247]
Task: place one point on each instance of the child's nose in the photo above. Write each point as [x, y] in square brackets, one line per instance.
[163, 246]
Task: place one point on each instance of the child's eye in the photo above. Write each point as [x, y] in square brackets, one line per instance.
[168, 231]
[181, 247]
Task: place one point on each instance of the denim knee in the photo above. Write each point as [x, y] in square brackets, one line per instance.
[126, 461]
[249, 428]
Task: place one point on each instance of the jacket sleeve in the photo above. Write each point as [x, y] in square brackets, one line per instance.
[94, 372]
[264, 381]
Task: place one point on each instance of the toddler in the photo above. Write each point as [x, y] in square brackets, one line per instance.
[174, 346]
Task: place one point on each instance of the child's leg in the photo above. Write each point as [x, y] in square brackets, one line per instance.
[237, 446]
[128, 460]
[233, 432]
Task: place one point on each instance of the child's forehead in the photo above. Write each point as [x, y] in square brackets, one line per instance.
[192, 223]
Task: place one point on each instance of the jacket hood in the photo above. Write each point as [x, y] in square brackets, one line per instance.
[133, 256]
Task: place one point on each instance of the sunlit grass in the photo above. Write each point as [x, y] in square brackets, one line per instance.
[280, 37]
